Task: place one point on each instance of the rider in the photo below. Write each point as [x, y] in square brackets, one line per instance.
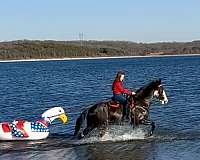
[119, 91]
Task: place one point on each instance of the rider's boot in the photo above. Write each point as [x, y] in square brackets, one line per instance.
[125, 116]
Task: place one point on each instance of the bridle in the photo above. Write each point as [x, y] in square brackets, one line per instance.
[131, 101]
[159, 93]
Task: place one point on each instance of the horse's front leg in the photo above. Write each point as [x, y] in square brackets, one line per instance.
[153, 126]
[150, 122]
[103, 128]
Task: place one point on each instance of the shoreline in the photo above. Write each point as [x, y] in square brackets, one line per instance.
[96, 58]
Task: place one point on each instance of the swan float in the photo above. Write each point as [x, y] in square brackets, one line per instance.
[24, 130]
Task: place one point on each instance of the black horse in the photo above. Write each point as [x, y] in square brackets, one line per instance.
[104, 113]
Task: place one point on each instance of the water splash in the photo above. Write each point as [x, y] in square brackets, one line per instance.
[116, 133]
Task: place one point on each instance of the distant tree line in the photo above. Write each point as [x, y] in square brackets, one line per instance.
[28, 49]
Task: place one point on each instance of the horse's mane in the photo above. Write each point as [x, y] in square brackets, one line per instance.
[146, 90]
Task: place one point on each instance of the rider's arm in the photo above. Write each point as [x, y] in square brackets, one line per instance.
[121, 89]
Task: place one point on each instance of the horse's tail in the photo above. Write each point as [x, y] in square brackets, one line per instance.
[79, 121]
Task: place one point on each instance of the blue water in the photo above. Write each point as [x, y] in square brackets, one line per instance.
[27, 89]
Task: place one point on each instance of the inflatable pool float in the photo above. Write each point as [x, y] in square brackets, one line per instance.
[25, 130]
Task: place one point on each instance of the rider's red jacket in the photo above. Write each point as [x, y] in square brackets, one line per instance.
[118, 88]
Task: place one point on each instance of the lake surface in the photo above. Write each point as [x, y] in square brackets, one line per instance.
[27, 89]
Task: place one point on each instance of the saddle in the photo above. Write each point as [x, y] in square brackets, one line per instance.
[114, 104]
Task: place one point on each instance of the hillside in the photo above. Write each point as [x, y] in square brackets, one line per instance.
[28, 49]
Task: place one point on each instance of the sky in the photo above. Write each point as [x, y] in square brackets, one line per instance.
[127, 20]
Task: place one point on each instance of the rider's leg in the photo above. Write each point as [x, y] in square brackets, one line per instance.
[122, 100]
[125, 110]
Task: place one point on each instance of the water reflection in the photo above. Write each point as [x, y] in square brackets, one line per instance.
[122, 150]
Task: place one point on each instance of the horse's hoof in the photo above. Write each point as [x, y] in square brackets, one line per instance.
[81, 135]
[125, 119]
[151, 133]
[101, 134]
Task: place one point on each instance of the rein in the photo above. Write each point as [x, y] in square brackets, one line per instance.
[144, 107]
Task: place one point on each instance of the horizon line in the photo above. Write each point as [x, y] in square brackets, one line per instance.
[95, 40]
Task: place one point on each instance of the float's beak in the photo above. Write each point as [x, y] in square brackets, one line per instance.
[63, 118]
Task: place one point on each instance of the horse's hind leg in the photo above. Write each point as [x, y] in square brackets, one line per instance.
[86, 131]
[80, 120]
[78, 126]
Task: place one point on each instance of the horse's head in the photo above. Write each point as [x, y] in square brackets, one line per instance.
[152, 89]
[140, 102]
[55, 113]
[159, 92]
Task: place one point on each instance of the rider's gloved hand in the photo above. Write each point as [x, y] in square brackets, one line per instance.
[133, 93]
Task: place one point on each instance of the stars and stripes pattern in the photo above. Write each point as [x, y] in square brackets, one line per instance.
[38, 127]
[20, 132]
[16, 132]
